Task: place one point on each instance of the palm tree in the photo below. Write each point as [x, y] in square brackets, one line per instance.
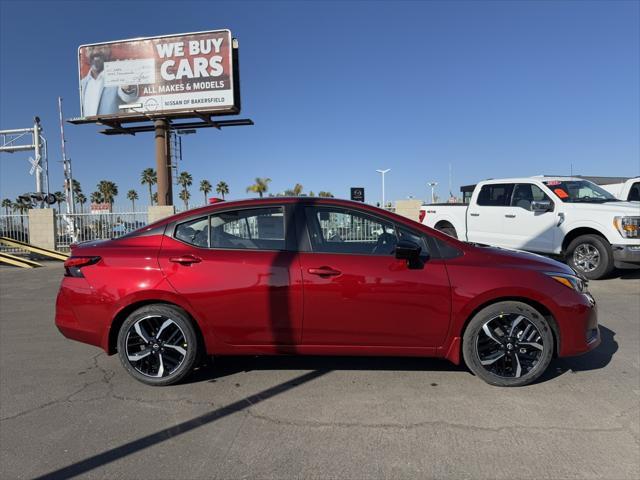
[325, 194]
[6, 204]
[222, 188]
[81, 199]
[260, 187]
[205, 188]
[109, 190]
[60, 198]
[96, 197]
[149, 177]
[133, 196]
[185, 196]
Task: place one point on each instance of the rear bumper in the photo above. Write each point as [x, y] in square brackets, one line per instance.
[626, 256]
[68, 323]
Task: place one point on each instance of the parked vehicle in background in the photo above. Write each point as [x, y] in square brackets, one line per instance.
[628, 191]
[319, 276]
[570, 217]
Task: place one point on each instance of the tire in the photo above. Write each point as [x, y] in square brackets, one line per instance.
[516, 358]
[591, 256]
[163, 339]
[451, 231]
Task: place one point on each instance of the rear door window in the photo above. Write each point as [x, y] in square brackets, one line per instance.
[495, 195]
[252, 229]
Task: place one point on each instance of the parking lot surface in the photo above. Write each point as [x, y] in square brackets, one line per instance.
[69, 410]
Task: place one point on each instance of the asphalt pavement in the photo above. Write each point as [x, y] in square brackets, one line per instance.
[69, 410]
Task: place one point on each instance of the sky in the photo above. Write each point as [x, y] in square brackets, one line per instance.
[340, 89]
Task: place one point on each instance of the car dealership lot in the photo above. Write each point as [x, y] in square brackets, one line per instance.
[69, 410]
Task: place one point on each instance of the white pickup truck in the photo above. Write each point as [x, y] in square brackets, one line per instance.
[629, 190]
[562, 216]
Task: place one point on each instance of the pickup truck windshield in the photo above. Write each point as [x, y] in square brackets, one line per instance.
[579, 191]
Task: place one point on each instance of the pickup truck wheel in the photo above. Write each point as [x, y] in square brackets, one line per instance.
[508, 344]
[591, 256]
[451, 231]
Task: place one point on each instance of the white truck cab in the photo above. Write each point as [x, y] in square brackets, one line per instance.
[565, 216]
[628, 190]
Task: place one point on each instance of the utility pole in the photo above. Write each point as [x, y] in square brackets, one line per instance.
[383, 172]
[9, 143]
[163, 162]
[433, 186]
[66, 166]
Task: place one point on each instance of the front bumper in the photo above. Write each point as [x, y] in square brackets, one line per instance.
[577, 319]
[626, 256]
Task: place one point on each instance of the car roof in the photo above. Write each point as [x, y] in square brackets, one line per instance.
[266, 201]
[539, 178]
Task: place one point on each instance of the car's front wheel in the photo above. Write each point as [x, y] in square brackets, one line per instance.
[158, 345]
[508, 344]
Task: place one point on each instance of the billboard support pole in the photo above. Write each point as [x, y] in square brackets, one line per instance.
[163, 163]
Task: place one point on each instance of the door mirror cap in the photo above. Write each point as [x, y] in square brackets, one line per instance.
[409, 251]
[541, 206]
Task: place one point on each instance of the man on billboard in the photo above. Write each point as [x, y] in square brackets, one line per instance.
[96, 98]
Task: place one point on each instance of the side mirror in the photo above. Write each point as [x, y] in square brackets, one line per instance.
[541, 206]
[409, 251]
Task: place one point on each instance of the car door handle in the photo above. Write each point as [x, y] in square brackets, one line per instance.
[324, 271]
[510, 216]
[474, 214]
[185, 259]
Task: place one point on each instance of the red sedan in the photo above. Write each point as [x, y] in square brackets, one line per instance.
[309, 276]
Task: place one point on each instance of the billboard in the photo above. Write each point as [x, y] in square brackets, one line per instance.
[160, 76]
[357, 194]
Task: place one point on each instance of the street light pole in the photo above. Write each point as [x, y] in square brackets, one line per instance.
[433, 186]
[383, 172]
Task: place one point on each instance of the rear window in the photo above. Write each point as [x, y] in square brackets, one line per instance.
[495, 195]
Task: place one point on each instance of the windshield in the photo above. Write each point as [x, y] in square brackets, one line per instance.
[579, 191]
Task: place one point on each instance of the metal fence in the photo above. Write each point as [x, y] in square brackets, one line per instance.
[82, 227]
[16, 227]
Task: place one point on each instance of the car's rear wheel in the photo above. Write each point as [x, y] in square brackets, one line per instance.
[508, 344]
[158, 345]
[590, 255]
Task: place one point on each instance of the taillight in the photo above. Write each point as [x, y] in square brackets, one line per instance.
[421, 215]
[72, 265]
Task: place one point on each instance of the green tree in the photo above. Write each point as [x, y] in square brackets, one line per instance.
[325, 194]
[81, 199]
[260, 187]
[185, 196]
[6, 204]
[96, 197]
[311, 193]
[205, 188]
[150, 178]
[133, 196]
[109, 191]
[60, 198]
[222, 188]
[154, 197]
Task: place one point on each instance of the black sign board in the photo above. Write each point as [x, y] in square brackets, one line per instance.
[357, 194]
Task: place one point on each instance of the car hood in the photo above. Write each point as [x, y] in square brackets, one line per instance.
[520, 259]
[615, 208]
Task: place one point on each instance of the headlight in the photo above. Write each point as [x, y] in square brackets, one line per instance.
[571, 281]
[627, 226]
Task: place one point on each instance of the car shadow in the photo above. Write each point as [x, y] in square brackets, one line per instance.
[596, 359]
[631, 274]
[221, 367]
